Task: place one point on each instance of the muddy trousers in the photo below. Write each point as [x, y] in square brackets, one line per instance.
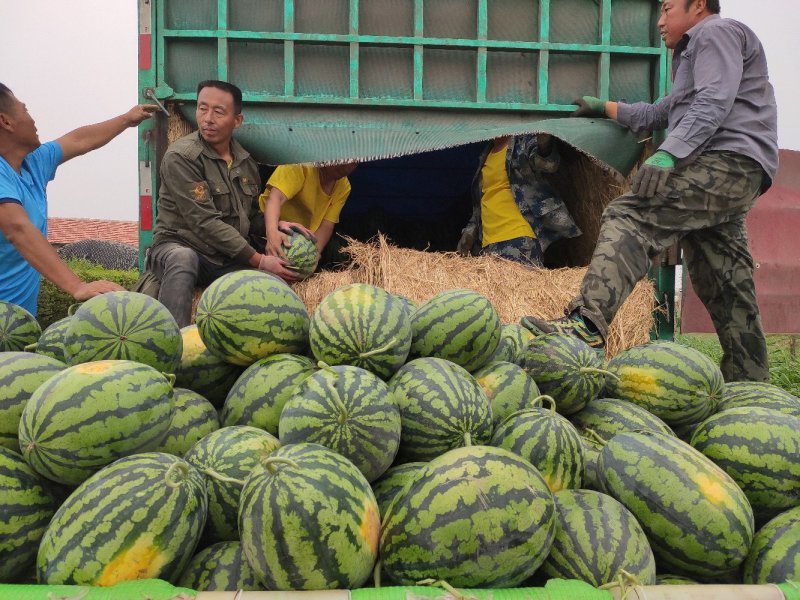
[703, 207]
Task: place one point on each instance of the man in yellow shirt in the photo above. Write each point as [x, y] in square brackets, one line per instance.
[305, 198]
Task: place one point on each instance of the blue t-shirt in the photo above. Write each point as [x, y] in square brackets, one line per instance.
[19, 281]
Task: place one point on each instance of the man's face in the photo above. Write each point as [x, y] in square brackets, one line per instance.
[216, 117]
[342, 170]
[24, 127]
[676, 19]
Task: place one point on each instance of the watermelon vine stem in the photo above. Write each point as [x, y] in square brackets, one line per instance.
[170, 474]
[220, 477]
[601, 371]
[388, 346]
[278, 460]
[594, 436]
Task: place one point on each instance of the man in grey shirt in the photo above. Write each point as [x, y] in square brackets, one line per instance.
[720, 154]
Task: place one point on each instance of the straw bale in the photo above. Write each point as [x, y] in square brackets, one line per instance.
[514, 290]
[177, 126]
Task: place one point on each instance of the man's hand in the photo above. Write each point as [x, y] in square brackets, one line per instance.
[277, 266]
[589, 106]
[287, 227]
[544, 144]
[95, 288]
[464, 247]
[653, 174]
[139, 113]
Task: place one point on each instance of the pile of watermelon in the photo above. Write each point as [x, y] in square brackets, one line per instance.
[376, 442]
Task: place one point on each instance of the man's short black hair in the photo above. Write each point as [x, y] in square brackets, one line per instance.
[225, 87]
[712, 6]
[5, 98]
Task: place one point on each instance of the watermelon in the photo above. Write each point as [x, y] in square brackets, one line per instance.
[758, 394]
[668, 579]
[89, 415]
[407, 302]
[302, 253]
[391, 484]
[124, 326]
[441, 407]
[219, 567]
[565, 368]
[51, 342]
[591, 454]
[20, 374]
[760, 449]
[248, 315]
[203, 372]
[508, 388]
[678, 384]
[461, 326]
[349, 410]
[138, 518]
[774, 556]
[607, 417]
[194, 418]
[309, 521]
[26, 507]
[548, 441]
[474, 517]
[699, 523]
[364, 326]
[226, 457]
[258, 396]
[18, 327]
[597, 539]
[514, 338]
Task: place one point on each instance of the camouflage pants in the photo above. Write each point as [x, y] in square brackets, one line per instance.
[704, 208]
[525, 250]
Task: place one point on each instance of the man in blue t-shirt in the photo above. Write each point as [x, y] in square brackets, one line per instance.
[26, 167]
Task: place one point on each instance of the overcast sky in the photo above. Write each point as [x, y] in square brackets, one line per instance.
[75, 62]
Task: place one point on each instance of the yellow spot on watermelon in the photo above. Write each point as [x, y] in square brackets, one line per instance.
[96, 367]
[193, 344]
[371, 526]
[554, 482]
[639, 381]
[712, 489]
[143, 560]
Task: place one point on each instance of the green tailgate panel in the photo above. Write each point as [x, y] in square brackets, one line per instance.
[328, 80]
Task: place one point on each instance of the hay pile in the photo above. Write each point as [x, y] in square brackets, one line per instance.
[514, 290]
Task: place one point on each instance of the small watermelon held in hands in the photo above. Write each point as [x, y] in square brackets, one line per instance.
[302, 253]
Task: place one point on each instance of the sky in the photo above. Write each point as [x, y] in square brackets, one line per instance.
[74, 62]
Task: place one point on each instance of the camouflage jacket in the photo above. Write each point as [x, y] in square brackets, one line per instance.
[204, 204]
[536, 200]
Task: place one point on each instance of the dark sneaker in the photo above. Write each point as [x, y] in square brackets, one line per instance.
[573, 324]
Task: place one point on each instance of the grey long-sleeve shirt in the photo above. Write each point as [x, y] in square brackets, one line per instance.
[721, 97]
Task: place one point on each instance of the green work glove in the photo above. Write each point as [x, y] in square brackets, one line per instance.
[653, 174]
[589, 106]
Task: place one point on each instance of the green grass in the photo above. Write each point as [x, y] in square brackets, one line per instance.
[783, 350]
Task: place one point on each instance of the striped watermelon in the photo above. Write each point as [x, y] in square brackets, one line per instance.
[392, 483]
[474, 517]
[349, 410]
[678, 384]
[194, 418]
[597, 539]
[548, 441]
[565, 368]
[21, 373]
[607, 417]
[203, 372]
[124, 326]
[89, 415]
[758, 394]
[508, 388]
[302, 253]
[51, 342]
[219, 567]
[591, 454]
[26, 507]
[138, 518]
[461, 326]
[258, 396]
[226, 457]
[760, 449]
[364, 326]
[309, 521]
[698, 521]
[674, 580]
[441, 407]
[248, 315]
[514, 338]
[407, 302]
[774, 556]
[18, 327]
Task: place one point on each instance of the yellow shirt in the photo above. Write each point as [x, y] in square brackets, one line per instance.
[307, 203]
[500, 216]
